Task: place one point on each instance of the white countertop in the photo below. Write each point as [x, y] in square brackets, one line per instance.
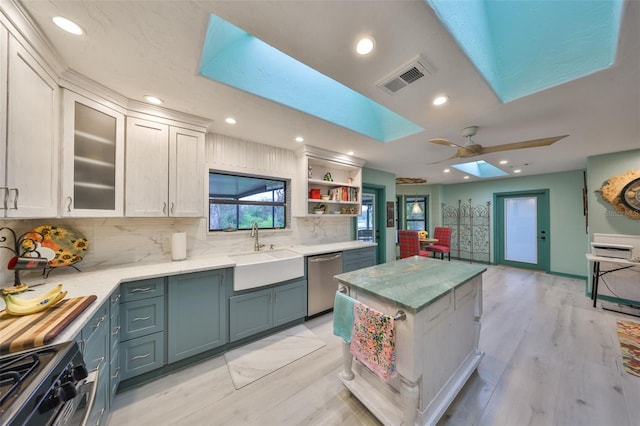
[101, 282]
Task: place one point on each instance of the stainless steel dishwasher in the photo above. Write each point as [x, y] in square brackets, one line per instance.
[321, 285]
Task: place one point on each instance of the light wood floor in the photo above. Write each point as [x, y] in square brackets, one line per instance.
[551, 359]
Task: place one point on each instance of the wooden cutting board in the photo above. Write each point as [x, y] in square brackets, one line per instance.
[18, 333]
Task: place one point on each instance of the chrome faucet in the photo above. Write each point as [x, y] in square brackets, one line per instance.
[254, 234]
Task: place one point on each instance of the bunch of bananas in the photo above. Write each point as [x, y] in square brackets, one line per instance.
[19, 306]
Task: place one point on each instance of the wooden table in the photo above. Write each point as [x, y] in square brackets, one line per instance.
[427, 242]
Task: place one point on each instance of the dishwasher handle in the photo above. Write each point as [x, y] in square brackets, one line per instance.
[325, 259]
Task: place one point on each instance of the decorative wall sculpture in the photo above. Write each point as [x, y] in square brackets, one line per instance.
[623, 193]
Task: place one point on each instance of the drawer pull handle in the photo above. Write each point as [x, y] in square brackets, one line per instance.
[99, 322]
[141, 318]
[141, 290]
[5, 203]
[147, 355]
[116, 299]
[15, 200]
[116, 374]
[100, 417]
[100, 361]
[116, 331]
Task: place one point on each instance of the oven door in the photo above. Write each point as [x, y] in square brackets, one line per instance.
[77, 410]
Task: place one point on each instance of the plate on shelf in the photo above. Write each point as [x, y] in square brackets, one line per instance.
[69, 246]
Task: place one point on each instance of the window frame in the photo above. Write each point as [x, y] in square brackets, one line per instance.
[238, 202]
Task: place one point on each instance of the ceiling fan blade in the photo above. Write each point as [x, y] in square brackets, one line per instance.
[444, 142]
[446, 159]
[522, 145]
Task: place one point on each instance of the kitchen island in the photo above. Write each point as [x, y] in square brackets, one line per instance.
[437, 307]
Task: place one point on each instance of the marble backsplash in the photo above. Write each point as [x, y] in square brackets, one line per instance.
[117, 241]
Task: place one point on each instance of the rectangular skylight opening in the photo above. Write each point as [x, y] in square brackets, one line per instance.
[480, 169]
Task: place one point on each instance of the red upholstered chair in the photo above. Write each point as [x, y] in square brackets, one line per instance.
[443, 235]
[410, 244]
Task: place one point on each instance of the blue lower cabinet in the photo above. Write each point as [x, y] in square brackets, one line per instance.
[142, 324]
[250, 313]
[257, 311]
[290, 302]
[358, 258]
[96, 344]
[141, 355]
[196, 313]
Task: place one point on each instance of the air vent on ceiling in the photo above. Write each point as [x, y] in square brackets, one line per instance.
[404, 76]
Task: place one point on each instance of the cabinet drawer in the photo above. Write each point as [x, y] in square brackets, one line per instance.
[141, 317]
[141, 355]
[144, 289]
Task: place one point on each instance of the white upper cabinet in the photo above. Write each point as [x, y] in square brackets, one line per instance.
[29, 134]
[92, 159]
[325, 174]
[186, 173]
[164, 170]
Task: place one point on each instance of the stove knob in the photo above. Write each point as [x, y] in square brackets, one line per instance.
[79, 372]
[67, 391]
[50, 402]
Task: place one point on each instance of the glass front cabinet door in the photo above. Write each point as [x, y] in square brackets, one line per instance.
[93, 158]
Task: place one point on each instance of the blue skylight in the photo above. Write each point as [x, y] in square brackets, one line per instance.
[480, 169]
[525, 46]
[234, 57]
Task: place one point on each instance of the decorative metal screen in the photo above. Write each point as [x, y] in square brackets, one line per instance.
[470, 230]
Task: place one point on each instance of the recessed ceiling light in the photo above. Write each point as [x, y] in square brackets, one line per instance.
[350, 153]
[440, 100]
[517, 171]
[299, 139]
[154, 100]
[447, 170]
[365, 46]
[230, 120]
[503, 161]
[466, 177]
[67, 25]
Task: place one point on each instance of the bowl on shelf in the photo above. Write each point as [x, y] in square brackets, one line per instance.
[318, 211]
[325, 197]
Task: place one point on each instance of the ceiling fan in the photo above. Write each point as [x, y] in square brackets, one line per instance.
[472, 149]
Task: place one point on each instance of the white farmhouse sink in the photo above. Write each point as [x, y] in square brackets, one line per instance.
[258, 269]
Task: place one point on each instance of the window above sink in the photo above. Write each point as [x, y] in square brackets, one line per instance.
[237, 201]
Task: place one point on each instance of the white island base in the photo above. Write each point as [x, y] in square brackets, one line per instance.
[436, 353]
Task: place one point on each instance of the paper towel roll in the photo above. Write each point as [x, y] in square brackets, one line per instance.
[179, 246]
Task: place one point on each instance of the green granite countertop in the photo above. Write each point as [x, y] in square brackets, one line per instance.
[412, 283]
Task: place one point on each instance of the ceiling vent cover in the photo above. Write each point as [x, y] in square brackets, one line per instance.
[404, 76]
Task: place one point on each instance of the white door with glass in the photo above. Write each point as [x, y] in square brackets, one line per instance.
[522, 230]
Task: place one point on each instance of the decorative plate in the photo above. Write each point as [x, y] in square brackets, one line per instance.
[69, 246]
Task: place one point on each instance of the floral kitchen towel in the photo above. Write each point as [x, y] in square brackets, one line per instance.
[373, 340]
